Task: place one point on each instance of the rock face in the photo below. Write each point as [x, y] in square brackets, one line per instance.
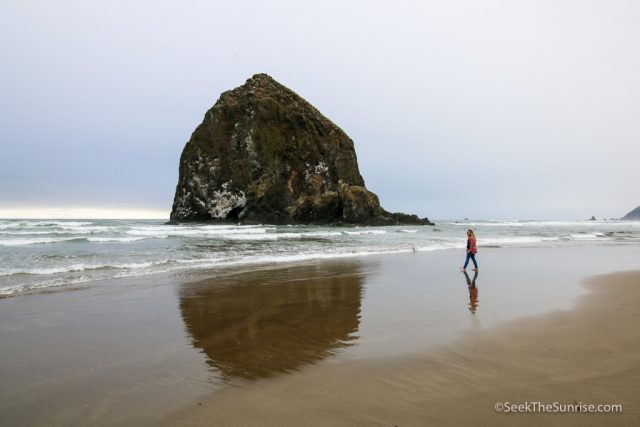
[634, 215]
[264, 154]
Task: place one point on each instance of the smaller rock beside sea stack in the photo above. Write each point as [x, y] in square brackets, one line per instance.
[634, 215]
[263, 154]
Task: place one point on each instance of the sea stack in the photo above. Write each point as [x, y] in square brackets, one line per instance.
[263, 154]
[634, 215]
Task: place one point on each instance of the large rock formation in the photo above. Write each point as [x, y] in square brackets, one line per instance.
[264, 154]
[634, 215]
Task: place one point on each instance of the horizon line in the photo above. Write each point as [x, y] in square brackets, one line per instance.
[82, 213]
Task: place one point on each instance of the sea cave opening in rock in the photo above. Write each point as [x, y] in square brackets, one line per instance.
[234, 214]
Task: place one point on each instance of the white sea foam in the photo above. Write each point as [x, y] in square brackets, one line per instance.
[92, 229]
[96, 250]
[6, 232]
[79, 239]
[515, 240]
[286, 258]
[194, 232]
[139, 269]
[440, 247]
[279, 236]
[114, 239]
[24, 242]
[255, 237]
[358, 232]
[25, 223]
[75, 268]
[323, 233]
[523, 223]
[589, 236]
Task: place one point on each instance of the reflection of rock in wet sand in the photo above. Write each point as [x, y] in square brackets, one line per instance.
[255, 325]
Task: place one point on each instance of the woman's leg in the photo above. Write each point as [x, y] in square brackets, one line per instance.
[466, 261]
[473, 258]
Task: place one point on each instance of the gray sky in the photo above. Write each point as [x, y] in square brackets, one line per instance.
[480, 109]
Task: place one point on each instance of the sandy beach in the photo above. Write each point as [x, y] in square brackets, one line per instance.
[584, 356]
[384, 340]
[249, 213]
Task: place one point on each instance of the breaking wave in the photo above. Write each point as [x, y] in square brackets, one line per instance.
[40, 254]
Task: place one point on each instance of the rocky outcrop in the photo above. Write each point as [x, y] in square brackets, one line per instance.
[634, 215]
[264, 154]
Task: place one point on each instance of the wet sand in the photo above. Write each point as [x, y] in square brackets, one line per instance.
[588, 355]
[384, 340]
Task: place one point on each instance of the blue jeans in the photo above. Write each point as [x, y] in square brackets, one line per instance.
[473, 258]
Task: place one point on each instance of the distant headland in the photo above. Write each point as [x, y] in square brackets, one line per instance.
[633, 215]
[263, 154]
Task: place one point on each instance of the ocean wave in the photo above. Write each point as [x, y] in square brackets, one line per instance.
[25, 242]
[76, 268]
[165, 266]
[26, 223]
[69, 239]
[359, 232]
[93, 229]
[323, 233]
[254, 237]
[114, 239]
[278, 236]
[515, 240]
[439, 247]
[32, 232]
[588, 236]
[59, 231]
[296, 257]
[8, 291]
[196, 232]
[82, 251]
[555, 225]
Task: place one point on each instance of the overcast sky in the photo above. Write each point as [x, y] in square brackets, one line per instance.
[479, 109]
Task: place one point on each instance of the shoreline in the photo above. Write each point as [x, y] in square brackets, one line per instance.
[195, 272]
[585, 355]
[147, 350]
[50, 255]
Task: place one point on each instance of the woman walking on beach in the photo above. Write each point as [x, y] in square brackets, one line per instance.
[472, 250]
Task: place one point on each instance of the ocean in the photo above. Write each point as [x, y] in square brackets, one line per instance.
[43, 255]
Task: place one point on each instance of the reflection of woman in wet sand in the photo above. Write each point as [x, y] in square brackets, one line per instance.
[473, 292]
[472, 250]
